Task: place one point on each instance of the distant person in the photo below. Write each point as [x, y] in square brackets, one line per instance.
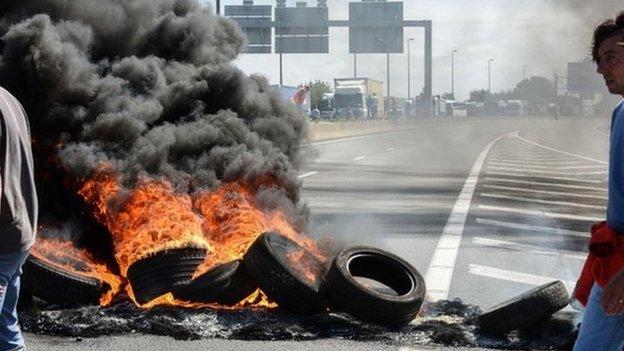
[315, 115]
[601, 285]
[18, 214]
[374, 106]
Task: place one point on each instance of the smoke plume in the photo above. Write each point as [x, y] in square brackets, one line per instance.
[148, 88]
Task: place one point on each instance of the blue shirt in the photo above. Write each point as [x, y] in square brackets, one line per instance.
[615, 209]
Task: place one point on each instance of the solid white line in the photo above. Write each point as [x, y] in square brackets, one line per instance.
[540, 213]
[520, 170]
[390, 149]
[533, 228]
[305, 175]
[530, 182]
[524, 248]
[538, 159]
[440, 271]
[534, 162]
[517, 135]
[508, 164]
[513, 276]
[536, 191]
[359, 158]
[545, 177]
[540, 201]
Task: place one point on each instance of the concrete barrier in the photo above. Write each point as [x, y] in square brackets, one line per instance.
[335, 130]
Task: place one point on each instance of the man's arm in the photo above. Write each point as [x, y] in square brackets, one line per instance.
[613, 295]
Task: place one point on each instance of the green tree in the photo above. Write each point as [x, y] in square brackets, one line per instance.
[480, 95]
[317, 89]
[537, 90]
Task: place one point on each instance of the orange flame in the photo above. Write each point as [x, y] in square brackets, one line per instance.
[148, 220]
[64, 255]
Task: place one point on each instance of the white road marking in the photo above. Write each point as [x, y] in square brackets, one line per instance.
[440, 271]
[506, 174]
[305, 175]
[540, 201]
[524, 248]
[513, 276]
[540, 213]
[508, 164]
[530, 182]
[543, 159]
[390, 149]
[359, 158]
[534, 162]
[520, 170]
[533, 228]
[517, 135]
[549, 192]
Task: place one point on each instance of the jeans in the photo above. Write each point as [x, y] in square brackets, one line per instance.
[599, 332]
[10, 270]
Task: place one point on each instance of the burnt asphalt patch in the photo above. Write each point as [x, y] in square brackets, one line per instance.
[449, 323]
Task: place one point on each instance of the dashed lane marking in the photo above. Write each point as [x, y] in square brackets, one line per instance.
[442, 265]
[505, 174]
[534, 228]
[524, 248]
[540, 201]
[359, 158]
[557, 185]
[305, 175]
[390, 149]
[540, 213]
[513, 276]
[547, 192]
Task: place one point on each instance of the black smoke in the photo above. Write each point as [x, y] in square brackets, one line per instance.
[147, 87]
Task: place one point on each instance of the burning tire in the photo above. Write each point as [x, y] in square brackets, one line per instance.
[226, 284]
[163, 272]
[267, 261]
[59, 286]
[351, 282]
[526, 309]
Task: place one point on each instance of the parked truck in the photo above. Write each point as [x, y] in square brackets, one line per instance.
[354, 97]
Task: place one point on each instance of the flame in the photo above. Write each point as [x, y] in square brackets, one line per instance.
[150, 219]
[232, 221]
[65, 256]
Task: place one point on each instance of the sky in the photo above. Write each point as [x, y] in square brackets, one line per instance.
[542, 35]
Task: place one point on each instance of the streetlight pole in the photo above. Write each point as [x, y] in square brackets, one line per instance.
[409, 75]
[387, 65]
[453, 73]
[490, 76]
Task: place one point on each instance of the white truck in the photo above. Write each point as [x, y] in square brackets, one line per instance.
[354, 96]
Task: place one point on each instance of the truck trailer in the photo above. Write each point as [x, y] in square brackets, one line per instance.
[354, 97]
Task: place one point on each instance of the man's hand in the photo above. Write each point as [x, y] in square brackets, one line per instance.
[613, 295]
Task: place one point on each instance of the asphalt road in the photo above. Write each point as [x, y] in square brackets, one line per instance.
[485, 209]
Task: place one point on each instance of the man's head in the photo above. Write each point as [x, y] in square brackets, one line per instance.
[608, 53]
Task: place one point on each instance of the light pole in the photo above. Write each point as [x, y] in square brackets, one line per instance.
[387, 65]
[490, 76]
[524, 71]
[453, 72]
[409, 75]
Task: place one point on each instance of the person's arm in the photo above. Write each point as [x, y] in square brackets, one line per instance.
[613, 295]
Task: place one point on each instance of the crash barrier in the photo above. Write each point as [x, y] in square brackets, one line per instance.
[335, 130]
[368, 283]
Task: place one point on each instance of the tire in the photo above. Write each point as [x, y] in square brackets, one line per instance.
[226, 284]
[59, 286]
[523, 310]
[163, 272]
[266, 262]
[394, 305]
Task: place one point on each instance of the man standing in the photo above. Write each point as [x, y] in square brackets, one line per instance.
[601, 286]
[18, 213]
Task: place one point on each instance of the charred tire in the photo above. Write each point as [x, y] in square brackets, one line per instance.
[369, 304]
[163, 272]
[523, 310]
[225, 284]
[59, 286]
[266, 261]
